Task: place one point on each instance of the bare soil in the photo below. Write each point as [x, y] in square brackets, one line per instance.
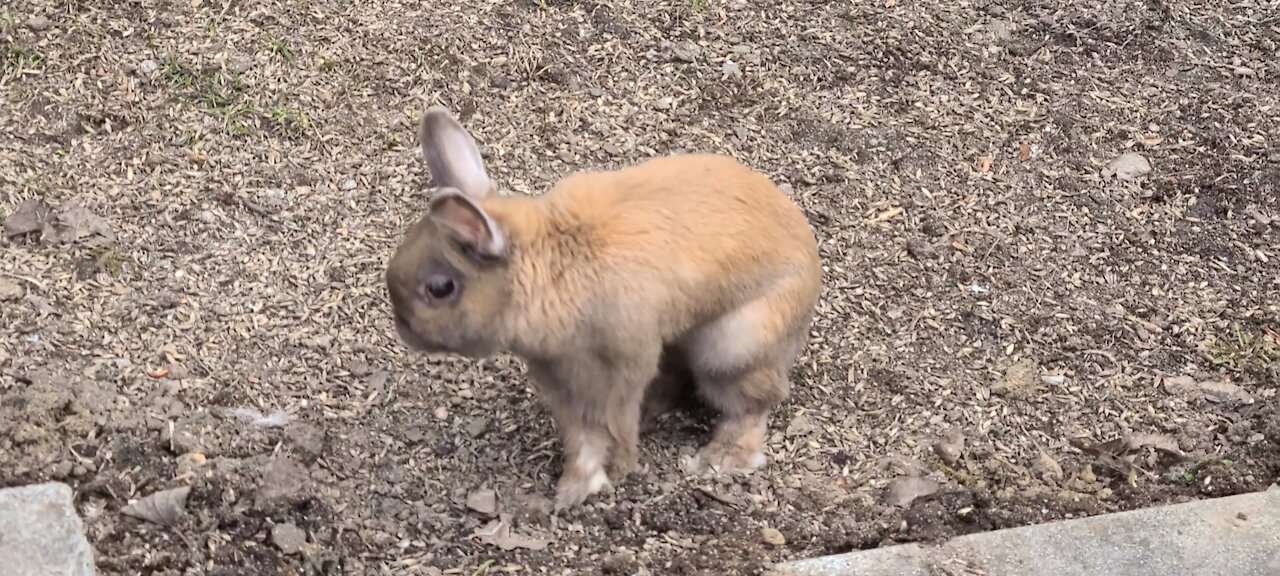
[1001, 320]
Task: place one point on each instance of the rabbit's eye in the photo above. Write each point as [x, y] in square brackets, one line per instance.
[439, 286]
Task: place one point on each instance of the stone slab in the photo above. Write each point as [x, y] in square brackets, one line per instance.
[1232, 536]
[41, 534]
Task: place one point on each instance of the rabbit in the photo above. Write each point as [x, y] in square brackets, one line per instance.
[683, 269]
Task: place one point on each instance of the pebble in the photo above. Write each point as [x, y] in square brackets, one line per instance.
[148, 67]
[500, 82]
[1001, 30]
[38, 23]
[207, 217]
[9, 290]
[348, 184]
[288, 538]
[484, 501]
[477, 427]
[730, 70]
[686, 51]
[773, 537]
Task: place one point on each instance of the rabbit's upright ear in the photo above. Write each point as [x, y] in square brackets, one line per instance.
[468, 223]
[451, 154]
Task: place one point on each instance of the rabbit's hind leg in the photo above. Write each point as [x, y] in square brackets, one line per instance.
[741, 363]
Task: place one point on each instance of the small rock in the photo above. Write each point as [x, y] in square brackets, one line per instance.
[284, 481]
[687, 51]
[621, 562]
[920, 249]
[730, 70]
[500, 82]
[307, 440]
[41, 533]
[288, 538]
[950, 448]
[207, 217]
[1128, 166]
[445, 447]
[1019, 381]
[1001, 30]
[190, 463]
[148, 67]
[9, 290]
[477, 427]
[800, 426]
[348, 184]
[773, 537]
[1087, 474]
[38, 23]
[484, 501]
[904, 490]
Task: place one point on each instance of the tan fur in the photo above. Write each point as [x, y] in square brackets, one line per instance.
[694, 254]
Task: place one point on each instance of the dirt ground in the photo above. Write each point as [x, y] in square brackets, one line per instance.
[1011, 332]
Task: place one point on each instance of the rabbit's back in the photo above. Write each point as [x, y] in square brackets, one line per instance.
[692, 235]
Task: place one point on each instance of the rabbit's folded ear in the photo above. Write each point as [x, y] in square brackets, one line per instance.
[451, 154]
[467, 222]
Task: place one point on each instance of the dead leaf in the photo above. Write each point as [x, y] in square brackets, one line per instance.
[1118, 454]
[31, 216]
[163, 507]
[77, 223]
[498, 533]
[1219, 392]
[1047, 467]
[484, 501]
[887, 215]
[1158, 441]
[721, 497]
[72, 222]
[1024, 151]
[1127, 166]
[984, 164]
[906, 489]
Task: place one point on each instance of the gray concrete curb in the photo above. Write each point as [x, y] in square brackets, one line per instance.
[41, 534]
[1233, 536]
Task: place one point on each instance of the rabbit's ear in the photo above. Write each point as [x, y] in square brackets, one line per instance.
[451, 154]
[467, 222]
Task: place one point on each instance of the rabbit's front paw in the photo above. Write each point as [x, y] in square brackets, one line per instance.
[723, 457]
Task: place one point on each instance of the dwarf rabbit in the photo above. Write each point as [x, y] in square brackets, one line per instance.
[692, 261]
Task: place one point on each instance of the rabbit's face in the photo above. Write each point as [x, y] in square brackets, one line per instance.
[448, 291]
[449, 280]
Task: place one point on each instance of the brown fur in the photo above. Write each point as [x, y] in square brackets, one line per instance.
[590, 282]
